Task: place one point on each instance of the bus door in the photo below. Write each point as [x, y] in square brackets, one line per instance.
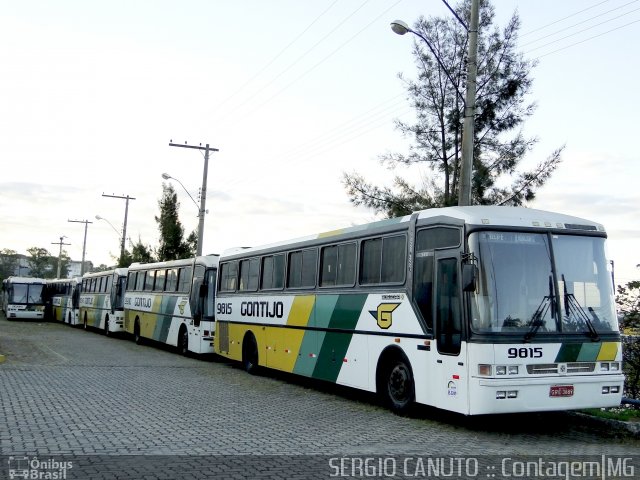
[450, 386]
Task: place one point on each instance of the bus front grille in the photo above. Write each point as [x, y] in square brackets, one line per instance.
[551, 368]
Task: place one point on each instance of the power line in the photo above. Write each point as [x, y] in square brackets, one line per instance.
[590, 38]
[580, 23]
[297, 60]
[582, 31]
[564, 18]
[323, 60]
[277, 55]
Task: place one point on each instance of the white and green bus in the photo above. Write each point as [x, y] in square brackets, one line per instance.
[23, 298]
[173, 303]
[101, 300]
[477, 310]
[64, 296]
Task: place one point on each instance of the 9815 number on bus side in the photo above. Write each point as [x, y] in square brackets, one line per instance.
[525, 352]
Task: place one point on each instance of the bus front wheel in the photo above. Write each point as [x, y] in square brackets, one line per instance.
[183, 341]
[396, 386]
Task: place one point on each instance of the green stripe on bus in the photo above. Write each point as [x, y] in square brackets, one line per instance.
[335, 344]
[163, 320]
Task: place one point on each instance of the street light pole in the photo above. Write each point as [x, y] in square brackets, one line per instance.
[203, 192]
[84, 244]
[466, 168]
[124, 225]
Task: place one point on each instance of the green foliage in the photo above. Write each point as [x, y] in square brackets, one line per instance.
[503, 83]
[8, 262]
[172, 245]
[628, 302]
[40, 262]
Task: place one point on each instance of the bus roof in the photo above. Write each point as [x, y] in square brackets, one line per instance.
[33, 280]
[484, 215]
[206, 260]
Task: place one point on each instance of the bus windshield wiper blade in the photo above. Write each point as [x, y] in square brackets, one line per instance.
[572, 305]
[537, 318]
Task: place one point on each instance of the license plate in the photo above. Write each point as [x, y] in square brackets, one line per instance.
[561, 391]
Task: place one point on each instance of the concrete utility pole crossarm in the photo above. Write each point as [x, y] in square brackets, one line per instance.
[203, 193]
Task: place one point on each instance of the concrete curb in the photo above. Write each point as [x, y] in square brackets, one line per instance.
[631, 429]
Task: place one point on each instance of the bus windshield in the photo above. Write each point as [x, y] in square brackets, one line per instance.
[516, 293]
[26, 293]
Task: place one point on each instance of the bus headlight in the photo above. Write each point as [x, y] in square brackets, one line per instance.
[501, 370]
[604, 367]
[484, 370]
[614, 366]
[513, 369]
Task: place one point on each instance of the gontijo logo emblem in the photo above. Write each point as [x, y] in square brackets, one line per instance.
[383, 314]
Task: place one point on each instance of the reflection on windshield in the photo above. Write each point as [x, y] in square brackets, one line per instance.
[516, 292]
[26, 293]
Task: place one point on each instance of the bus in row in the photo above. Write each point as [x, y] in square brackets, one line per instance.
[101, 303]
[23, 298]
[173, 303]
[63, 295]
[476, 310]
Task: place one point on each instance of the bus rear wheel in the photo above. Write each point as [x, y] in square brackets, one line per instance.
[136, 333]
[396, 386]
[106, 327]
[250, 354]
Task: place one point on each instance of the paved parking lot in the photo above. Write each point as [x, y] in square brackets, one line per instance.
[119, 410]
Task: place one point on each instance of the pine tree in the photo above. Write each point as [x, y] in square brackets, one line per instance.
[503, 83]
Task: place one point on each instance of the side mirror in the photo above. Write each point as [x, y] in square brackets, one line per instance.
[469, 276]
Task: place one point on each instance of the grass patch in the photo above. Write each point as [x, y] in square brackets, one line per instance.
[623, 413]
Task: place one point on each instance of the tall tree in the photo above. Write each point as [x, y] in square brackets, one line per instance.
[172, 244]
[503, 83]
[8, 262]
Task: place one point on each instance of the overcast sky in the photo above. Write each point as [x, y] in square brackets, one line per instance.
[293, 94]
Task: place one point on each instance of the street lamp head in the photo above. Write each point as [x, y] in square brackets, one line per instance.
[400, 27]
[166, 176]
[98, 217]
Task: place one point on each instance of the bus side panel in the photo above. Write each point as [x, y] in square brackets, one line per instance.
[291, 347]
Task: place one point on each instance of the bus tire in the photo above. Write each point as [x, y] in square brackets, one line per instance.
[106, 326]
[183, 341]
[250, 354]
[136, 333]
[395, 384]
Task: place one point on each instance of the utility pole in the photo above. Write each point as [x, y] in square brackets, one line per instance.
[124, 227]
[84, 244]
[466, 169]
[61, 243]
[203, 193]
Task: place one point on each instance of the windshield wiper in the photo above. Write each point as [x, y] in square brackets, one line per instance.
[572, 306]
[537, 318]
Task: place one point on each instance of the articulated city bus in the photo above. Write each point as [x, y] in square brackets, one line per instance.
[101, 300]
[23, 298]
[173, 303]
[476, 310]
